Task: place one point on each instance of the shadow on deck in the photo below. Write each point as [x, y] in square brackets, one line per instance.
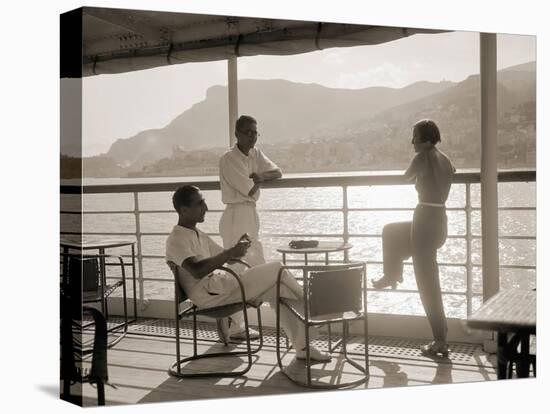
[138, 366]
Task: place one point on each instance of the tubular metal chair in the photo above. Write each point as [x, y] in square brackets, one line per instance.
[86, 279]
[72, 354]
[74, 350]
[223, 311]
[332, 293]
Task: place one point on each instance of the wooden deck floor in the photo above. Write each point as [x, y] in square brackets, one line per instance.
[138, 369]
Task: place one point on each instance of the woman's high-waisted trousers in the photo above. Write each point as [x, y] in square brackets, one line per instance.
[420, 239]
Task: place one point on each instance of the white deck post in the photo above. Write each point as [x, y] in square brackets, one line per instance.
[489, 180]
[233, 96]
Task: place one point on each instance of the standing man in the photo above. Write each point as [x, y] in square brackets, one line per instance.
[243, 169]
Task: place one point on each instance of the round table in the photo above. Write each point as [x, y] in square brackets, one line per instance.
[324, 247]
[100, 245]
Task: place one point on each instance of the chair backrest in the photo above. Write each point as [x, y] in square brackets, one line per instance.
[83, 274]
[179, 291]
[336, 291]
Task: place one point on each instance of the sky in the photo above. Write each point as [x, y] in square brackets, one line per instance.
[119, 106]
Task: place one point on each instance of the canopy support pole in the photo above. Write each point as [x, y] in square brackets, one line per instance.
[489, 176]
[233, 96]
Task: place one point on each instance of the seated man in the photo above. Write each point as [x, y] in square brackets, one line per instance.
[197, 253]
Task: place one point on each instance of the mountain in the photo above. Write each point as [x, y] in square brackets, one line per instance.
[286, 112]
[457, 113]
[461, 103]
[364, 129]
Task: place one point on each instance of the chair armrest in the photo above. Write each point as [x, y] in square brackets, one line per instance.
[174, 267]
[241, 261]
[120, 262]
[236, 276]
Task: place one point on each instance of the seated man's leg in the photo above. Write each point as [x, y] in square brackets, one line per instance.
[235, 327]
[256, 281]
[260, 283]
[293, 327]
[259, 279]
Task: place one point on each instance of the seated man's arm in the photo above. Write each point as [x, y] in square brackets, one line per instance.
[199, 266]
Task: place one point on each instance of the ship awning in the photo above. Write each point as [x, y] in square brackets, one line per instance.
[118, 40]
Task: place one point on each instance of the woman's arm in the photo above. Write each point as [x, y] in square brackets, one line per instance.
[412, 170]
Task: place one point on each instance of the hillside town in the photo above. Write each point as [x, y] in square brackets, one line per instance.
[378, 146]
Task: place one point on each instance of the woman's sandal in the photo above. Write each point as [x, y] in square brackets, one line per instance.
[434, 349]
[384, 282]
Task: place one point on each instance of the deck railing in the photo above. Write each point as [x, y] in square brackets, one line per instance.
[344, 182]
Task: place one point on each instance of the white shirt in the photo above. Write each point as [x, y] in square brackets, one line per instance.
[235, 169]
[183, 243]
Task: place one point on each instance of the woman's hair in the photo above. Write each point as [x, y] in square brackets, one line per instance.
[428, 131]
[182, 196]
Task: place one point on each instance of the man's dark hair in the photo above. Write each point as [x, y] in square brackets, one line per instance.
[428, 130]
[244, 120]
[182, 196]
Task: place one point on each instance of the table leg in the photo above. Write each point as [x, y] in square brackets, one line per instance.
[502, 340]
[522, 366]
[308, 361]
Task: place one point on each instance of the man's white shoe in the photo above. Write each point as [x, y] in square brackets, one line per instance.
[254, 334]
[222, 326]
[314, 355]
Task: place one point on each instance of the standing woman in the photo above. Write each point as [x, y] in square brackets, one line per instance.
[432, 172]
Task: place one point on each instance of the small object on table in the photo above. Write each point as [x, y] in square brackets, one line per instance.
[303, 244]
[321, 247]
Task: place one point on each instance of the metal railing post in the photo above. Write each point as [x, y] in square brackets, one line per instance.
[139, 249]
[469, 239]
[345, 210]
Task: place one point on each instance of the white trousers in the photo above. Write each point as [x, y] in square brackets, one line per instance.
[238, 219]
[260, 284]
